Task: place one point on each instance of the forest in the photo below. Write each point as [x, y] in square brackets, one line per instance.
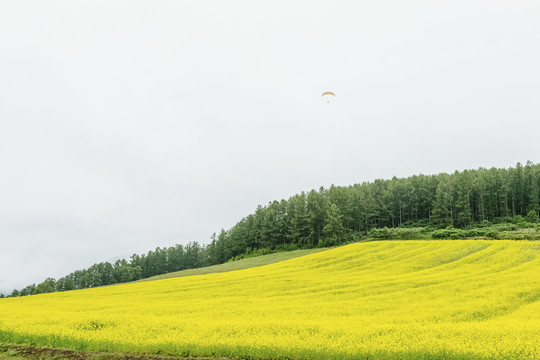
[483, 203]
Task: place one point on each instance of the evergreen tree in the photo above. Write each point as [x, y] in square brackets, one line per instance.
[463, 201]
[443, 207]
[316, 214]
[533, 180]
[333, 228]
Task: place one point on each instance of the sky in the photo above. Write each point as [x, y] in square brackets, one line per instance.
[128, 125]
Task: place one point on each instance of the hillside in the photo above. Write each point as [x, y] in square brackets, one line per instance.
[471, 204]
[238, 264]
[383, 300]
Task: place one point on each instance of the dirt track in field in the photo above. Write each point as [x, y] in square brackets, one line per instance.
[41, 353]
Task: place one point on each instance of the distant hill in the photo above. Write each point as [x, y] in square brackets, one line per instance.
[480, 204]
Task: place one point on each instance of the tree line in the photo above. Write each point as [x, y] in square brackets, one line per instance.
[336, 215]
[157, 262]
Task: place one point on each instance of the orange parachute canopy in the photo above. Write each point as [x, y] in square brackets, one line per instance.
[328, 93]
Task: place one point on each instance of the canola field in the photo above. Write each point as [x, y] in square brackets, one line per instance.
[453, 299]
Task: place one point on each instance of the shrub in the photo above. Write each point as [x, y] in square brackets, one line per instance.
[493, 234]
[506, 227]
[532, 217]
[485, 223]
[518, 219]
[409, 233]
[328, 241]
[400, 233]
[449, 233]
[380, 234]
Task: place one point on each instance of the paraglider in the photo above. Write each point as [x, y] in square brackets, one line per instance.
[327, 96]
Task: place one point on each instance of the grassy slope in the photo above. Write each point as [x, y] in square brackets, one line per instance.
[238, 265]
[382, 300]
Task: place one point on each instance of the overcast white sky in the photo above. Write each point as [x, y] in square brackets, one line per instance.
[127, 125]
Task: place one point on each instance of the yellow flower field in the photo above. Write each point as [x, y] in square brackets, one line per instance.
[469, 299]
